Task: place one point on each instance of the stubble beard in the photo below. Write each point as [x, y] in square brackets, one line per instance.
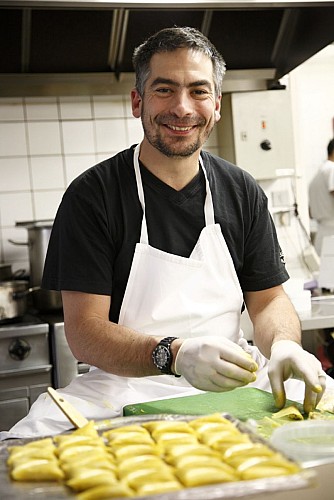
[179, 148]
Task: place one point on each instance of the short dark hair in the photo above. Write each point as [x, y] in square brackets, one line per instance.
[170, 39]
[330, 147]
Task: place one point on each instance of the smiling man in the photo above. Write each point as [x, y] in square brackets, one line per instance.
[157, 249]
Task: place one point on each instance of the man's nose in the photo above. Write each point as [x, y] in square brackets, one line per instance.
[182, 104]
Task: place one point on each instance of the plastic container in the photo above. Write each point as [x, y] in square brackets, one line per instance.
[306, 441]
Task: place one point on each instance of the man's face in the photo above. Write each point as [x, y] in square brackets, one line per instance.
[179, 107]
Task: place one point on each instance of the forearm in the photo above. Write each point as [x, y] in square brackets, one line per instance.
[275, 320]
[113, 348]
[95, 340]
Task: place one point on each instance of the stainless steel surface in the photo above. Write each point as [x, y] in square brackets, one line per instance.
[65, 366]
[95, 54]
[34, 354]
[321, 315]
[5, 272]
[239, 489]
[25, 369]
[38, 239]
[13, 299]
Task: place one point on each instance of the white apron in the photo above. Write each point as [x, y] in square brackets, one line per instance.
[166, 295]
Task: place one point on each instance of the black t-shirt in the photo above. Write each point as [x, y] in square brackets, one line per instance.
[99, 219]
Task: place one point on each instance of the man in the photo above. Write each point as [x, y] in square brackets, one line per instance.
[321, 198]
[156, 250]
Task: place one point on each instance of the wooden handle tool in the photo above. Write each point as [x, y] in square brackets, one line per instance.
[74, 416]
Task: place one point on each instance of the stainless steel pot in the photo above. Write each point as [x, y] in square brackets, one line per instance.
[5, 272]
[38, 239]
[13, 299]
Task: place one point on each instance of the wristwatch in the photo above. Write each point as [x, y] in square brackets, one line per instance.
[162, 356]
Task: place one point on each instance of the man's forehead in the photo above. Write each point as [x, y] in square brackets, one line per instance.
[181, 63]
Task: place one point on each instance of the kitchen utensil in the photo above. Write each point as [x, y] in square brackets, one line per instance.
[74, 416]
[39, 232]
[5, 272]
[13, 299]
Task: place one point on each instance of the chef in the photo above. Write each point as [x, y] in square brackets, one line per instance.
[157, 250]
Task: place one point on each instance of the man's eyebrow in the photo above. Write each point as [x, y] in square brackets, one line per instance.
[168, 81]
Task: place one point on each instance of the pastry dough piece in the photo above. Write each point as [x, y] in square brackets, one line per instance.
[40, 443]
[247, 450]
[86, 458]
[211, 427]
[213, 417]
[132, 450]
[163, 426]
[76, 450]
[290, 412]
[169, 438]
[89, 478]
[140, 462]
[204, 475]
[197, 450]
[88, 441]
[37, 470]
[125, 429]
[263, 470]
[136, 478]
[238, 458]
[123, 438]
[201, 460]
[74, 469]
[159, 487]
[276, 460]
[87, 430]
[106, 491]
[223, 440]
[30, 453]
[70, 440]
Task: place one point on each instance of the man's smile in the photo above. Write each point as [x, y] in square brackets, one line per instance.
[180, 129]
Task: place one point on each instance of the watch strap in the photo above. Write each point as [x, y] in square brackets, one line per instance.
[166, 342]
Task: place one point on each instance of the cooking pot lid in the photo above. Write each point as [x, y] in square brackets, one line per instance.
[35, 223]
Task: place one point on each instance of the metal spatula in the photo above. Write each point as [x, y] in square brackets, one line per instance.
[74, 416]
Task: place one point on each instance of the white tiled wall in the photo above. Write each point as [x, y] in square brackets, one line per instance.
[44, 144]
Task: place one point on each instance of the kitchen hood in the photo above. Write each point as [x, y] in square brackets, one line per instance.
[83, 47]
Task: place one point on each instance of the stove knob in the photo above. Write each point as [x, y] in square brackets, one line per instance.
[19, 349]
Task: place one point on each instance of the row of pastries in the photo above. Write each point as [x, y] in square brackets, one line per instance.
[149, 458]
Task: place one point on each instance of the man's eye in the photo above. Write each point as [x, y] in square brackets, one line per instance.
[200, 92]
[163, 90]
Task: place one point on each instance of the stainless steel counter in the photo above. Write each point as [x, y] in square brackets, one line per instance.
[321, 315]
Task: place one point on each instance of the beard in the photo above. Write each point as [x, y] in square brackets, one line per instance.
[178, 147]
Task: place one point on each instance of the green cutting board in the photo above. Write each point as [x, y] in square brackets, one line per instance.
[241, 403]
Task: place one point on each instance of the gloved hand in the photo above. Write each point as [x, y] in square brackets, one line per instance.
[215, 364]
[289, 359]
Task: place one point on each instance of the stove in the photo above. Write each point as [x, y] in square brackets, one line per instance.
[34, 355]
[25, 368]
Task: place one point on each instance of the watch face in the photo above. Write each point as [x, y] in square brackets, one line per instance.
[161, 356]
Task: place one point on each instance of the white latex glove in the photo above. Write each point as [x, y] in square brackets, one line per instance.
[214, 364]
[289, 359]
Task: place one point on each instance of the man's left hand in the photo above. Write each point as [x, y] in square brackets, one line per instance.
[289, 360]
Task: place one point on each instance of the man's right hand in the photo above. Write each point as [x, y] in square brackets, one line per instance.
[213, 363]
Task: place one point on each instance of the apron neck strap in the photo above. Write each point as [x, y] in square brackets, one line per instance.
[208, 205]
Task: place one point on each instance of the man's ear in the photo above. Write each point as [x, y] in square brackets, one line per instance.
[136, 102]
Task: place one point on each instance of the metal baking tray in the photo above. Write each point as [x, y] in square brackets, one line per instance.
[11, 490]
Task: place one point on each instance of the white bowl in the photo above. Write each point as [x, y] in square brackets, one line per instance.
[305, 441]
